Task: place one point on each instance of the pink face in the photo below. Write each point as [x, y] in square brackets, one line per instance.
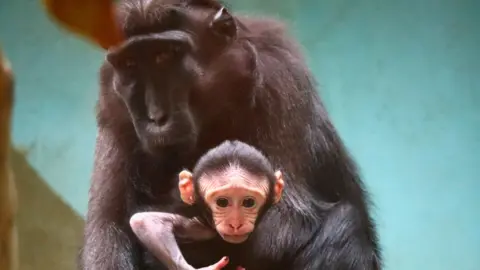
[235, 210]
[235, 197]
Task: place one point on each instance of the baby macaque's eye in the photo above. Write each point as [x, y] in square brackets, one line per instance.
[222, 202]
[248, 203]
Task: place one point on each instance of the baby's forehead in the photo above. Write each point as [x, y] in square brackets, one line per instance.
[233, 180]
[233, 176]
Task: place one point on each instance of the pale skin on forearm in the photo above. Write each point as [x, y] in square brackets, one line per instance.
[156, 231]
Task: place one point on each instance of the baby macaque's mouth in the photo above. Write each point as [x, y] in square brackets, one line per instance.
[235, 238]
[236, 235]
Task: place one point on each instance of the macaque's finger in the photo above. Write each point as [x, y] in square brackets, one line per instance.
[221, 264]
[240, 268]
[218, 266]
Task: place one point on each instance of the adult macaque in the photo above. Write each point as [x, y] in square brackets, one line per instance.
[231, 187]
[189, 76]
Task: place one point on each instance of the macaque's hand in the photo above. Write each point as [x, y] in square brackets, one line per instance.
[155, 231]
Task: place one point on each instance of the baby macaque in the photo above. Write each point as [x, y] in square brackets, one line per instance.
[230, 188]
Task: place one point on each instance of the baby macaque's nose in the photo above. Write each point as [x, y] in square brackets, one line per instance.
[235, 225]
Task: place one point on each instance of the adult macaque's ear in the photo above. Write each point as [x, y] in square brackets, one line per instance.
[185, 185]
[223, 24]
[112, 55]
[278, 187]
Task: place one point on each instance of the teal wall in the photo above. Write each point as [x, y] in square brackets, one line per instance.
[401, 80]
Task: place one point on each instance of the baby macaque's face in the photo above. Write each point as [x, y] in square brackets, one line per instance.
[235, 198]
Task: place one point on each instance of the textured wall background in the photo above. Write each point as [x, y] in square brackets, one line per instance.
[400, 79]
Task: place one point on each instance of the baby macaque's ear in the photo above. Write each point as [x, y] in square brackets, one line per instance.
[185, 185]
[278, 187]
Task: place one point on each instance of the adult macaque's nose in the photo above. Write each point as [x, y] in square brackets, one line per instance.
[158, 117]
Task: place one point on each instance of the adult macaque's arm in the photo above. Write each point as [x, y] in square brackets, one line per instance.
[156, 230]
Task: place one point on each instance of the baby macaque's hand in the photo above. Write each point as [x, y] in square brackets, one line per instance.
[218, 266]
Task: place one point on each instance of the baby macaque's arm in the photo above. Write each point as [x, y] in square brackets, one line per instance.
[157, 231]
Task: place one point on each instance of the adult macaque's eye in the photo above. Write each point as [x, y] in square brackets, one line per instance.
[161, 57]
[175, 48]
[222, 202]
[129, 63]
[248, 203]
[166, 54]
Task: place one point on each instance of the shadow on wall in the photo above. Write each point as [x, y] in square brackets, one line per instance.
[50, 232]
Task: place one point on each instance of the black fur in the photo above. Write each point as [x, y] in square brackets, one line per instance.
[255, 88]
